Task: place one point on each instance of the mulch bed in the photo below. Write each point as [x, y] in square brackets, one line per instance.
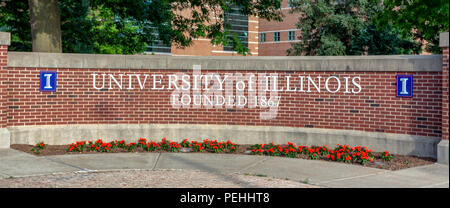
[399, 161]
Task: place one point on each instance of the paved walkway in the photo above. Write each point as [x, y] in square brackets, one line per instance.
[14, 164]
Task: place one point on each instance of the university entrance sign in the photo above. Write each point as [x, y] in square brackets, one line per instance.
[323, 100]
[208, 90]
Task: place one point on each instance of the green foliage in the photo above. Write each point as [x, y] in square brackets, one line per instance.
[76, 27]
[128, 26]
[15, 18]
[386, 156]
[38, 147]
[333, 28]
[419, 19]
[386, 41]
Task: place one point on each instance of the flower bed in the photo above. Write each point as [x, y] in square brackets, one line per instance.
[151, 146]
[341, 153]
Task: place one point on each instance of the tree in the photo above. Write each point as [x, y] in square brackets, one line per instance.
[422, 20]
[78, 35]
[387, 41]
[127, 26]
[343, 27]
[45, 26]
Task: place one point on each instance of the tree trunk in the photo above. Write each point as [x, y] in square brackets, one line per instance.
[45, 26]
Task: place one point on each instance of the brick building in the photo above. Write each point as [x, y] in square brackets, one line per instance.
[276, 37]
[262, 37]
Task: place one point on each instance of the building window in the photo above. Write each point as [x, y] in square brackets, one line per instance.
[158, 46]
[276, 36]
[238, 25]
[291, 4]
[291, 35]
[262, 37]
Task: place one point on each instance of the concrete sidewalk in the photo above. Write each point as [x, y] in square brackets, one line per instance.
[14, 163]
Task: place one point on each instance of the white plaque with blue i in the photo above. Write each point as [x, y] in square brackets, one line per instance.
[47, 81]
[404, 85]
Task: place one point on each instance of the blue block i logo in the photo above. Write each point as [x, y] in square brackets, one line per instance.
[404, 85]
[48, 81]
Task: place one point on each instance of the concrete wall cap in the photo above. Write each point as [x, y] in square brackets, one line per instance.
[443, 39]
[411, 63]
[5, 38]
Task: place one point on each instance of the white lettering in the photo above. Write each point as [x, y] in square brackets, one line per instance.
[310, 80]
[111, 77]
[159, 81]
[47, 83]
[338, 82]
[93, 81]
[404, 82]
[356, 84]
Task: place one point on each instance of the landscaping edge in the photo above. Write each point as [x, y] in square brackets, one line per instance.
[65, 134]
[341, 153]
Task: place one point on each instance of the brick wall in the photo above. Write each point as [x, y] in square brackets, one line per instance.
[3, 84]
[274, 49]
[271, 48]
[375, 109]
[203, 46]
[445, 94]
